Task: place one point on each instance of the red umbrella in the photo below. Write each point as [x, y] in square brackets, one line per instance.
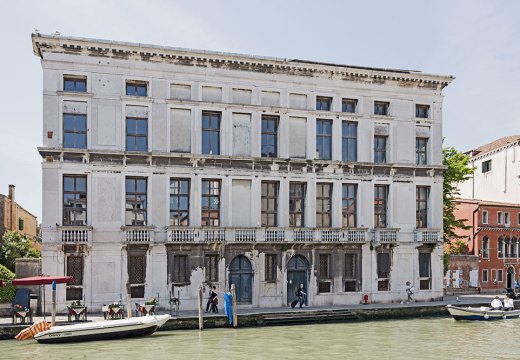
[45, 280]
[42, 280]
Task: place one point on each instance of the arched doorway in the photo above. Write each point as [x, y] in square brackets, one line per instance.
[241, 274]
[510, 280]
[297, 273]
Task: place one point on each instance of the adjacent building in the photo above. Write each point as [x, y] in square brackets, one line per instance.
[168, 169]
[493, 236]
[13, 217]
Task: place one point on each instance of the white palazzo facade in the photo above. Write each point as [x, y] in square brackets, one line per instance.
[167, 169]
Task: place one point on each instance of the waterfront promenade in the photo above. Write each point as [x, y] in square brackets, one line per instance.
[249, 317]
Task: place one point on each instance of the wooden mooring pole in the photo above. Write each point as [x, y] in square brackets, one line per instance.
[234, 306]
[128, 300]
[201, 320]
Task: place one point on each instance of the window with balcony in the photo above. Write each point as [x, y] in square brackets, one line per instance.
[136, 273]
[270, 136]
[500, 247]
[422, 111]
[323, 139]
[136, 134]
[349, 105]
[323, 205]
[75, 200]
[381, 108]
[383, 271]
[74, 83]
[324, 276]
[75, 131]
[380, 206]
[349, 141]
[349, 205]
[136, 88]
[210, 207]
[425, 270]
[486, 166]
[179, 202]
[180, 270]
[421, 146]
[211, 132]
[297, 192]
[211, 268]
[270, 267]
[269, 203]
[136, 201]
[485, 247]
[422, 194]
[380, 149]
[352, 272]
[74, 268]
[323, 103]
[484, 217]
[485, 276]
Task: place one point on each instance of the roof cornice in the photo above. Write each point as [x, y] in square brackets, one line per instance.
[202, 58]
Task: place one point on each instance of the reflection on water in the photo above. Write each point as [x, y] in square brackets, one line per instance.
[399, 339]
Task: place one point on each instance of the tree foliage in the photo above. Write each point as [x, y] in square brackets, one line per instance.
[457, 170]
[14, 246]
[7, 292]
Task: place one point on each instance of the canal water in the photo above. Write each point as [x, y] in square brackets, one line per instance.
[436, 338]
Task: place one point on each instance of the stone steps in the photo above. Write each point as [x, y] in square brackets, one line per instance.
[301, 317]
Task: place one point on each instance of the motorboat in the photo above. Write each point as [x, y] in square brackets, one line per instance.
[481, 313]
[103, 330]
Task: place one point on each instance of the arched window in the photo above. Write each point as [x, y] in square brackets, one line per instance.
[500, 247]
[507, 247]
[514, 247]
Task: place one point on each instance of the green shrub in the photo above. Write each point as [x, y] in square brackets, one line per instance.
[6, 292]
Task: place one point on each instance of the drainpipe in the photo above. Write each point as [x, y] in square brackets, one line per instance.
[474, 233]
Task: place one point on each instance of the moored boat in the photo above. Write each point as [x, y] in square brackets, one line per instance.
[103, 330]
[481, 313]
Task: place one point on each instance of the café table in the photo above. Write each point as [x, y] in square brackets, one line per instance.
[78, 311]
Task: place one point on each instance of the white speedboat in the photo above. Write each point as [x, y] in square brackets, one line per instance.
[103, 330]
[481, 313]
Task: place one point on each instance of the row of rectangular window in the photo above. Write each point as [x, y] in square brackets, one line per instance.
[323, 103]
[75, 136]
[497, 278]
[503, 218]
[75, 203]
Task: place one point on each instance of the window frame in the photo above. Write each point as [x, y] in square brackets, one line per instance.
[382, 108]
[135, 145]
[382, 204]
[322, 199]
[351, 101]
[179, 195]
[211, 268]
[75, 132]
[500, 247]
[485, 217]
[324, 273]
[485, 247]
[208, 221]
[270, 136]
[210, 148]
[294, 214]
[349, 196]
[383, 277]
[136, 85]
[500, 218]
[82, 198]
[75, 79]
[422, 201]
[324, 139]
[418, 113]
[486, 166]
[425, 280]
[135, 195]
[348, 140]
[500, 275]
[270, 268]
[136, 287]
[180, 262]
[485, 275]
[269, 215]
[421, 151]
[324, 103]
[356, 270]
[380, 149]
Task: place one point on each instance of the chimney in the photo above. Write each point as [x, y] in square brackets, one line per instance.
[11, 207]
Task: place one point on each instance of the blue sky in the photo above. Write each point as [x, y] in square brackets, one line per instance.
[477, 41]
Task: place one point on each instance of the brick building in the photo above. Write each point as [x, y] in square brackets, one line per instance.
[494, 236]
[13, 217]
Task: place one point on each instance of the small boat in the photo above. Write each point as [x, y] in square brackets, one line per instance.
[103, 330]
[481, 313]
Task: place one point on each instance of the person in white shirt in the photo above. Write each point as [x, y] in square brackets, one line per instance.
[496, 304]
[509, 304]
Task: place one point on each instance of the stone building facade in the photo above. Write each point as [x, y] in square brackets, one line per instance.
[13, 217]
[170, 168]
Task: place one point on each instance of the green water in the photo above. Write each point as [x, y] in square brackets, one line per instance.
[437, 338]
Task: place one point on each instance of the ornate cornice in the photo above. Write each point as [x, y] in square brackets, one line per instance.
[229, 61]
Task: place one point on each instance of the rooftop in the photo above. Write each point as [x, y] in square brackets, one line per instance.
[495, 145]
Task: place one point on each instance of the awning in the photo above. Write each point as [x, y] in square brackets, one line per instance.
[42, 280]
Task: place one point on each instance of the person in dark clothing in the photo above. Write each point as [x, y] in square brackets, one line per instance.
[213, 300]
[301, 295]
